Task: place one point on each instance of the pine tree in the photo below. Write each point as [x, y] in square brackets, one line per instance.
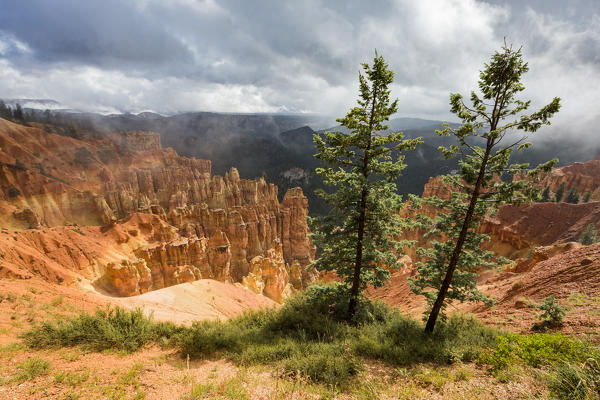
[450, 265]
[545, 195]
[47, 116]
[587, 196]
[589, 235]
[356, 237]
[18, 113]
[4, 110]
[572, 196]
[559, 193]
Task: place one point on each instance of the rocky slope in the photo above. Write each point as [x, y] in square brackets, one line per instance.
[130, 216]
[582, 176]
[515, 230]
[541, 239]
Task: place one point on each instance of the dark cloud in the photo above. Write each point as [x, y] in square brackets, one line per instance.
[257, 56]
[107, 34]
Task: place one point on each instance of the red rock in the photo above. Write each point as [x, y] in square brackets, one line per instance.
[197, 225]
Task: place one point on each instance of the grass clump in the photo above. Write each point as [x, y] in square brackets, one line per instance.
[231, 388]
[401, 341]
[112, 328]
[577, 380]
[72, 379]
[31, 369]
[323, 366]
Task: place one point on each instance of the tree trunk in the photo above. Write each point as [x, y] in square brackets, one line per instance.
[437, 306]
[362, 217]
[359, 250]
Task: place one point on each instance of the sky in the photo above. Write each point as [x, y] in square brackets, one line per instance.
[293, 56]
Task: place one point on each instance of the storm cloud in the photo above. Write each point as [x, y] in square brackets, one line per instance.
[303, 56]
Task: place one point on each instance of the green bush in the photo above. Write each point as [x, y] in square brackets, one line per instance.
[552, 315]
[333, 301]
[308, 336]
[535, 350]
[114, 328]
[589, 235]
[269, 353]
[13, 192]
[19, 164]
[307, 317]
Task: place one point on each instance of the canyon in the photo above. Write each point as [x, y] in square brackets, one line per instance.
[121, 216]
[125, 216]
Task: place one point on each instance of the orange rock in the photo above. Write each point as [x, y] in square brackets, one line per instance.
[196, 224]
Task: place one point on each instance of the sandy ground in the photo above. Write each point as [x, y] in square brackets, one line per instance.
[199, 300]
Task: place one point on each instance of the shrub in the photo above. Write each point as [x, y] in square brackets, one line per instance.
[572, 196]
[535, 350]
[19, 164]
[577, 381]
[114, 328]
[402, 341]
[208, 338]
[332, 301]
[269, 353]
[552, 315]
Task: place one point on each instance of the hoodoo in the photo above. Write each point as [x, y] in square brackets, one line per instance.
[131, 217]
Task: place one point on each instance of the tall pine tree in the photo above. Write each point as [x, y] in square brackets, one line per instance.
[572, 195]
[4, 110]
[18, 113]
[451, 263]
[589, 235]
[545, 195]
[356, 238]
[560, 192]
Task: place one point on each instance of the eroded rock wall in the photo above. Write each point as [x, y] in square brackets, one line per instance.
[201, 226]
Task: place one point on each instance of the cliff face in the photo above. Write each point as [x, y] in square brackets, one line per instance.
[514, 230]
[584, 176]
[186, 224]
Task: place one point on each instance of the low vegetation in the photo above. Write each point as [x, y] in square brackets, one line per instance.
[552, 315]
[114, 328]
[308, 338]
[31, 369]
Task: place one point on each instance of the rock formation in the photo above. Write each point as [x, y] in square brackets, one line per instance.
[178, 222]
[583, 176]
[515, 230]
